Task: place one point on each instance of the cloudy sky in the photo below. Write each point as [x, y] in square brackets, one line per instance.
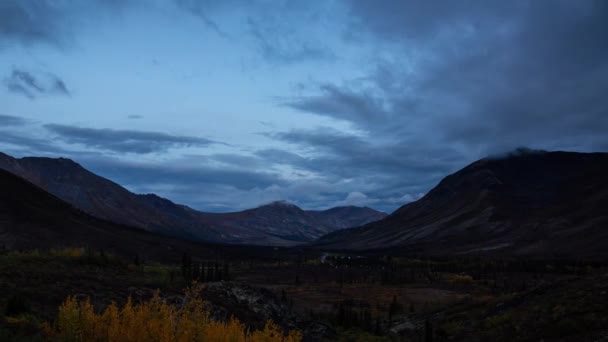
[224, 105]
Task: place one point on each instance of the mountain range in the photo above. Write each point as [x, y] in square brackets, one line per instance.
[31, 218]
[527, 203]
[277, 223]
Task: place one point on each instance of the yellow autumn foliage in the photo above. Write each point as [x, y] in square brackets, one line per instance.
[67, 252]
[154, 321]
[459, 279]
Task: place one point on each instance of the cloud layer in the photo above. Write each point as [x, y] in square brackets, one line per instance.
[363, 102]
[126, 141]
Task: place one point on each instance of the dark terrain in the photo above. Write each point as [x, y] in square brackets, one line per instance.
[534, 204]
[31, 218]
[431, 271]
[277, 223]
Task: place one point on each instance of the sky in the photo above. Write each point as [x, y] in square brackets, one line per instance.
[226, 105]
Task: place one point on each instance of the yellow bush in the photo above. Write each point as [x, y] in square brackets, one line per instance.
[459, 279]
[155, 321]
[68, 252]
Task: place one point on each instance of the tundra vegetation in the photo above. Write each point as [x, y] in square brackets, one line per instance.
[78, 294]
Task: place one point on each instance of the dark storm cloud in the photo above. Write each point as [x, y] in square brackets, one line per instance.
[425, 21]
[8, 120]
[340, 103]
[29, 144]
[124, 140]
[347, 155]
[502, 73]
[29, 22]
[465, 79]
[32, 85]
[386, 172]
[178, 174]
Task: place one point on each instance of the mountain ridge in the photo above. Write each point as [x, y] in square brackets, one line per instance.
[103, 198]
[32, 218]
[537, 203]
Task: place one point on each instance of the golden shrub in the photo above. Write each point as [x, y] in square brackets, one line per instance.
[459, 279]
[155, 321]
[67, 252]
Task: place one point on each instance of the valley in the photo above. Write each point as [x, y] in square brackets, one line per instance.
[438, 269]
[303, 171]
[348, 297]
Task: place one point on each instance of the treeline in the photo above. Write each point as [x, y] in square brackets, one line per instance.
[395, 271]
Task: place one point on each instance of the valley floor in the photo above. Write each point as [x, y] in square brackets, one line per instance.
[345, 297]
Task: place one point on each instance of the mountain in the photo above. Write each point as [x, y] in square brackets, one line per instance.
[105, 199]
[530, 203]
[278, 223]
[347, 217]
[31, 218]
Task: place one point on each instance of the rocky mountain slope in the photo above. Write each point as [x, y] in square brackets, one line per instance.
[549, 204]
[278, 223]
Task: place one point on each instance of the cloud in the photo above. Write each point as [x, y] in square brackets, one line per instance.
[278, 30]
[205, 10]
[17, 141]
[340, 103]
[181, 173]
[8, 120]
[135, 117]
[127, 141]
[31, 85]
[29, 21]
[422, 89]
[278, 43]
[356, 198]
[489, 75]
[456, 82]
[381, 169]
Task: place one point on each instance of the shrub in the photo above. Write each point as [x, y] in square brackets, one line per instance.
[153, 321]
[461, 279]
[67, 252]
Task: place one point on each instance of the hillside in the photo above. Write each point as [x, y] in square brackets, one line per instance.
[347, 217]
[549, 204]
[31, 218]
[273, 224]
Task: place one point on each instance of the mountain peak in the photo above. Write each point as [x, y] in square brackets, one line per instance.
[533, 203]
[518, 152]
[280, 204]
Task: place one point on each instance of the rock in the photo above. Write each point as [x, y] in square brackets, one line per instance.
[252, 306]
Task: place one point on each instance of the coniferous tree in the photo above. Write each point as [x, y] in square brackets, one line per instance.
[226, 273]
[428, 331]
[210, 274]
[393, 309]
[187, 266]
